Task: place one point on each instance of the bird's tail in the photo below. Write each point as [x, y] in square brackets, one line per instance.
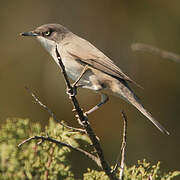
[126, 93]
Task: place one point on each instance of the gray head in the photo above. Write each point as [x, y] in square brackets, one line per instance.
[53, 32]
[49, 35]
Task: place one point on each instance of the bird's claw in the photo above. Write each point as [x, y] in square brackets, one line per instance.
[72, 91]
[86, 114]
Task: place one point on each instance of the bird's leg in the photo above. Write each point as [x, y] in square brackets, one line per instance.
[104, 99]
[74, 85]
[80, 76]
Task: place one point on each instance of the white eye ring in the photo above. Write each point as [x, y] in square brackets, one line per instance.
[47, 33]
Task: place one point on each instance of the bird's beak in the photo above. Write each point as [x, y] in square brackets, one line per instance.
[31, 33]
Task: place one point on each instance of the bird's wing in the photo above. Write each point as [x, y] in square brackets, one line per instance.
[86, 53]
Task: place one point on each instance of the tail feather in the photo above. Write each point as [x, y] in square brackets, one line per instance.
[128, 94]
[149, 116]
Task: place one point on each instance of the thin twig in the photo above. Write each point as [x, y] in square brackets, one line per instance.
[156, 51]
[47, 138]
[37, 100]
[84, 121]
[123, 147]
[121, 155]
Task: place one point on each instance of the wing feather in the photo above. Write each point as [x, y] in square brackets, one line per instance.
[86, 53]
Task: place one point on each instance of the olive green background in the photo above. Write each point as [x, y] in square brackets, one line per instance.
[112, 26]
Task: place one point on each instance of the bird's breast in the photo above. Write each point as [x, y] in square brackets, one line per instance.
[73, 68]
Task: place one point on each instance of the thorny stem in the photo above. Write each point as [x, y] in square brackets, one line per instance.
[85, 123]
[46, 138]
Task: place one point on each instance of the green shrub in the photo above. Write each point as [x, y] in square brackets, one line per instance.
[143, 171]
[49, 161]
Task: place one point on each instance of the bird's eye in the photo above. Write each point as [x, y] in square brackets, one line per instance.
[47, 33]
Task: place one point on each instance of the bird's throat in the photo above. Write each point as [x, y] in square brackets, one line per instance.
[49, 45]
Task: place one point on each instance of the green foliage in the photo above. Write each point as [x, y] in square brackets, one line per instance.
[33, 161]
[143, 171]
[49, 161]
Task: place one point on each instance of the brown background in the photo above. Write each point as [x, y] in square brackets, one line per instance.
[112, 26]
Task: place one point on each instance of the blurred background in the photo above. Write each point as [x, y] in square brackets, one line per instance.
[112, 26]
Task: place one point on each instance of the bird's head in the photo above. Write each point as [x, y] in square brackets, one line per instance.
[48, 34]
[53, 32]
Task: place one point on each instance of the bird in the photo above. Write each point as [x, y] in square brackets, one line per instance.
[93, 69]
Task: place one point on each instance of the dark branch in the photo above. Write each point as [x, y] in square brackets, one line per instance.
[46, 138]
[85, 123]
[36, 100]
[156, 51]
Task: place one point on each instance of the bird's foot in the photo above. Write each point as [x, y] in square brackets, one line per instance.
[72, 91]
